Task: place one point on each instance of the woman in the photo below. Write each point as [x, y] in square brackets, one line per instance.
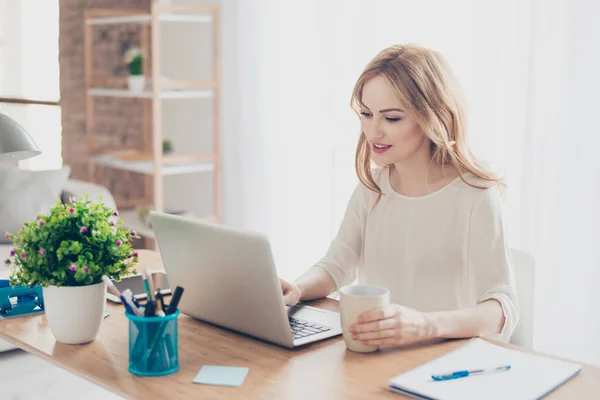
[426, 222]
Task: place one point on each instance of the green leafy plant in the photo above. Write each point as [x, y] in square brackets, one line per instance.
[167, 146]
[75, 244]
[134, 59]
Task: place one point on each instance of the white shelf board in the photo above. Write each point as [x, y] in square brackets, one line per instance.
[132, 221]
[147, 18]
[165, 94]
[147, 167]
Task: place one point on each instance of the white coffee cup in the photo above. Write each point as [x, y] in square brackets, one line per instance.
[355, 300]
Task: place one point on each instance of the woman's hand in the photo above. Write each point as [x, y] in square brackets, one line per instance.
[393, 325]
[291, 292]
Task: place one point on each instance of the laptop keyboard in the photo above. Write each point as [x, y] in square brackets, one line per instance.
[302, 329]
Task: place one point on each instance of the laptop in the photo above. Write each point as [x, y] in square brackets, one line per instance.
[229, 280]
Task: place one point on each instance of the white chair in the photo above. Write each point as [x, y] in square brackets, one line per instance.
[524, 267]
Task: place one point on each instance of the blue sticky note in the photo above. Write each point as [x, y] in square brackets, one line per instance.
[224, 376]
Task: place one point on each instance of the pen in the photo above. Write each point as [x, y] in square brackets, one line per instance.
[136, 302]
[175, 300]
[111, 286]
[161, 298]
[465, 373]
[147, 287]
[159, 304]
[127, 307]
[150, 282]
[128, 295]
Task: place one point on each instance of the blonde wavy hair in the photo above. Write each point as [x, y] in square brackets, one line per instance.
[427, 88]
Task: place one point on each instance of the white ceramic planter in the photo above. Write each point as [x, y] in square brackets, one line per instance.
[136, 83]
[74, 313]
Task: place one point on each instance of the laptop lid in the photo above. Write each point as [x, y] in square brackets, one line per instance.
[228, 275]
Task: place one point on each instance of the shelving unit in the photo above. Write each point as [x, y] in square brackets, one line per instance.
[179, 165]
[165, 94]
[150, 160]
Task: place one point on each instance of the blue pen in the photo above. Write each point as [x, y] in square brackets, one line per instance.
[465, 373]
[127, 307]
[136, 302]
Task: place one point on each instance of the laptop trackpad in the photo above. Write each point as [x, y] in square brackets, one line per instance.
[316, 315]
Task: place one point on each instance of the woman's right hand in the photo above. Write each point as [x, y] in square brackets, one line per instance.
[291, 292]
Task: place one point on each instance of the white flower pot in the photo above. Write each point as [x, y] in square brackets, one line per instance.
[74, 313]
[137, 83]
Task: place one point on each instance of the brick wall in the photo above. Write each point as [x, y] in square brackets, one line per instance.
[118, 121]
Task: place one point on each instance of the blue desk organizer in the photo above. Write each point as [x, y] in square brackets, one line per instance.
[20, 300]
[153, 345]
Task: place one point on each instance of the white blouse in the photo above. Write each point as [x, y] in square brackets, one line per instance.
[442, 251]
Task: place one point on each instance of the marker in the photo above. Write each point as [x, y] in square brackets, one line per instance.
[150, 309]
[175, 300]
[465, 373]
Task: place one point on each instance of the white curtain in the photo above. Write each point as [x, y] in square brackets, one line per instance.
[530, 73]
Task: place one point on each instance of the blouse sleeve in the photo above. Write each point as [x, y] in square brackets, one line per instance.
[342, 257]
[490, 270]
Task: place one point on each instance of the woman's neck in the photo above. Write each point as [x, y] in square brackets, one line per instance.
[419, 175]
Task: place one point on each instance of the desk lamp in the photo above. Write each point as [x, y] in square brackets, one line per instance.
[15, 142]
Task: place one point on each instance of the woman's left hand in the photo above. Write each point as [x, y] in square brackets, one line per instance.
[393, 325]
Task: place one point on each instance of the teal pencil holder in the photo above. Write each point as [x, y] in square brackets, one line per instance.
[153, 345]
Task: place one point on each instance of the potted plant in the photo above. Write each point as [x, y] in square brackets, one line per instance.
[67, 252]
[167, 146]
[134, 59]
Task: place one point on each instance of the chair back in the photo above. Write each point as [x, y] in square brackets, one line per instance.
[524, 267]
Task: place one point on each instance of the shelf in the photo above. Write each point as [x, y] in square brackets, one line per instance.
[147, 18]
[147, 94]
[147, 166]
[158, 88]
[132, 221]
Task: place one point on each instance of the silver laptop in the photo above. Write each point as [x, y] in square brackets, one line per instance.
[229, 279]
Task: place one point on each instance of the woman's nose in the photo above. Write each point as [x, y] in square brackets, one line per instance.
[377, 132]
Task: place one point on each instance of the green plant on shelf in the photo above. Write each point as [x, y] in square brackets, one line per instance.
[167, 146]
[134, 58]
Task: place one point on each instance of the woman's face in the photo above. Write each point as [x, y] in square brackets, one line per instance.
[391, 133]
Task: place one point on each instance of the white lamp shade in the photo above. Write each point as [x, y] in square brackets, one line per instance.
[15, 142]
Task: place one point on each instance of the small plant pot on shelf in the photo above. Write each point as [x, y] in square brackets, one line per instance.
[136, 83]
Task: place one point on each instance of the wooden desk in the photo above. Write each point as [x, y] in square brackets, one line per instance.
[323, 370]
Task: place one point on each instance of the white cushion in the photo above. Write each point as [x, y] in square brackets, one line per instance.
[25, 194]
[81, 188]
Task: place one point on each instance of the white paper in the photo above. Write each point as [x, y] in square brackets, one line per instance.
[530, 377]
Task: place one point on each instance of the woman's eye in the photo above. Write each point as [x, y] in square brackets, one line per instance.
[392, 119]
[365, 114]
